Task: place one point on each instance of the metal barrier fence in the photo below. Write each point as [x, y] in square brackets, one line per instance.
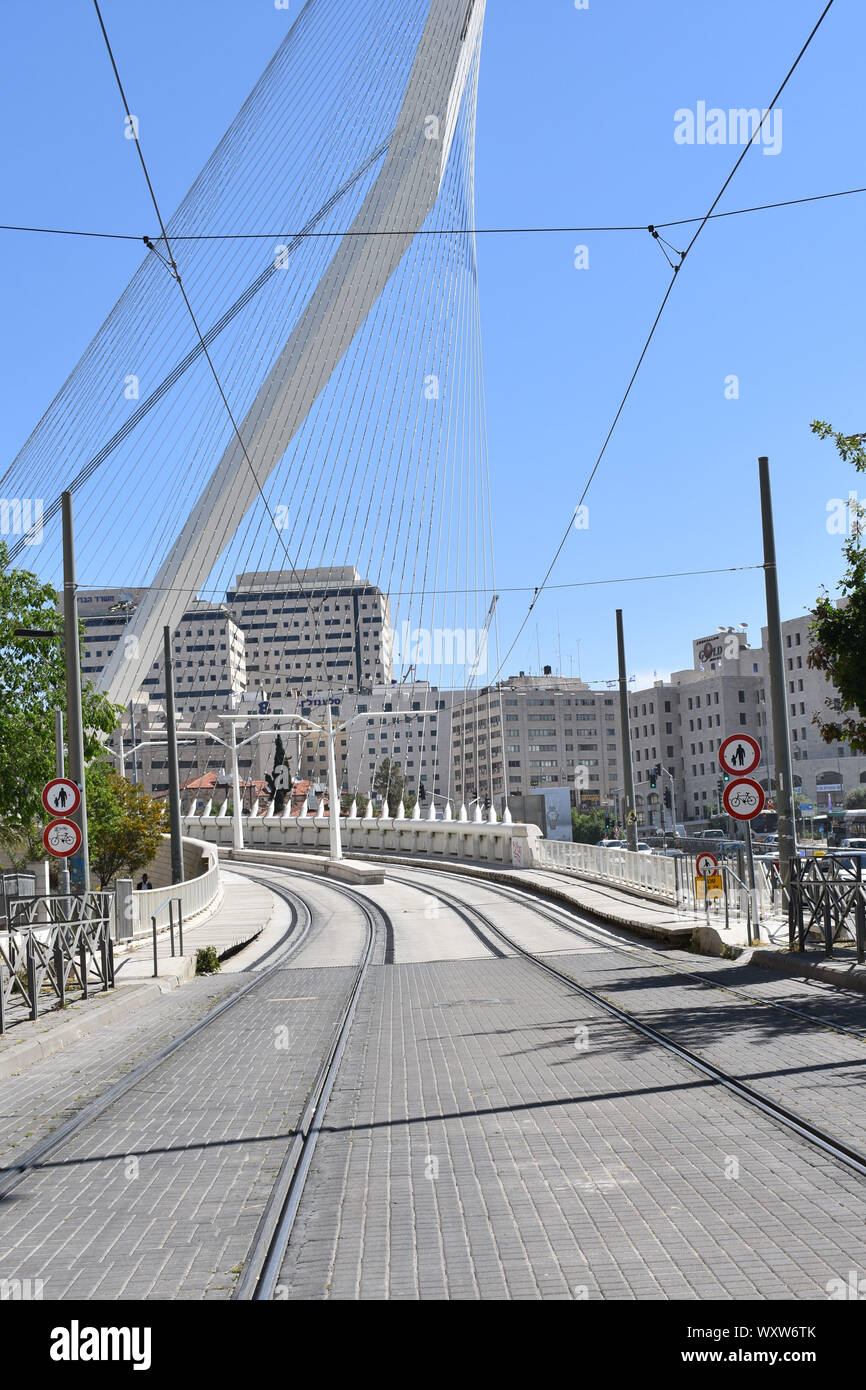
[647, 873]
[54, 943]
[827, 904]
[673, 879]
[169, 903]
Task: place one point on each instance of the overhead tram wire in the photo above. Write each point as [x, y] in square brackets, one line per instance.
[667, 294]
[430, 231]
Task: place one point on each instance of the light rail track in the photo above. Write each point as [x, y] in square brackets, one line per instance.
[851, 1158]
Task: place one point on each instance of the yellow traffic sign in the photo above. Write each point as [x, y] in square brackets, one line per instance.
[712, 884]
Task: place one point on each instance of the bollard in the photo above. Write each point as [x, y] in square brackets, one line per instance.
[31, 978]
[155, 964]
[58, 971]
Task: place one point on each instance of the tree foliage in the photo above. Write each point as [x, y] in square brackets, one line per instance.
[856, 799]
[33, 686]
[391, 785]
[587, 827]
[125, 825]
[838, 645]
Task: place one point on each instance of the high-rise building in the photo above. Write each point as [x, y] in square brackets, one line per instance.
[529, 733]
[312, 630]
[209, 649]
[680, 724]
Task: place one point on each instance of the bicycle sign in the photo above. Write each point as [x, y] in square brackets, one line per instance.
[739, 754]
[62, 838]
[743, 799]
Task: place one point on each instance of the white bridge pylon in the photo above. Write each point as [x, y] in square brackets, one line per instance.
[402, 197]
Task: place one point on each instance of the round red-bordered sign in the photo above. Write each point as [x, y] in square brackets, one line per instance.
[62, 838]
[739, 754]
[706, 863]
[744, 799]
[60, 797]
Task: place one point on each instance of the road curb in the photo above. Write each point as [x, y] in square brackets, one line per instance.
[841, 975]
[19, 1056]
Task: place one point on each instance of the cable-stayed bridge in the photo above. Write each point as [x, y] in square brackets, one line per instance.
[324, 405]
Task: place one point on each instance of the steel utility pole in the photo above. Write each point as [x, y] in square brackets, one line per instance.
[79, 863]
[173, 775]
[333, 793]
[627, 771]
[60, 771]
[778, 700]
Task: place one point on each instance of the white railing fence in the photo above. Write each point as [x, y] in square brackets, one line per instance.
[644, 873]
[195, 894]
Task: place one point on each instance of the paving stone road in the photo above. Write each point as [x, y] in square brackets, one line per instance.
[470, 1148]
[160, 1196]
[471, 1151]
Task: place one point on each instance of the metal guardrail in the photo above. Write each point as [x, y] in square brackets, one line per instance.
[54, 943]
[669, 879]
[827, 903]
[170, 903]
[648, 873]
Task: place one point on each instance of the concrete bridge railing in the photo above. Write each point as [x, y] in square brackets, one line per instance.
[198, 893]
[510, 845]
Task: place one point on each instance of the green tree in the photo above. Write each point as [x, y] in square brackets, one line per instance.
[587, 827]
[838, 645]
[856, 799]
[389, 783]
[125, 825]
[346, 802]
[33, 685]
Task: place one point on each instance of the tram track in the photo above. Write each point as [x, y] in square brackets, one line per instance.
[852, 1158]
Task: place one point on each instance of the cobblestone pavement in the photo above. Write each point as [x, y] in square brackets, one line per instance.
[50, 1092]
[815, 1071]
[159, 1197]
[471, 1150]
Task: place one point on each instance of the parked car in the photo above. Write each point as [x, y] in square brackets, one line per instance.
[855, 842]
[715, 835]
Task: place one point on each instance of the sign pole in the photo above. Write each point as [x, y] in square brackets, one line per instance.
[753, 896]
[627, 770]
[781, 737]
[79, 863]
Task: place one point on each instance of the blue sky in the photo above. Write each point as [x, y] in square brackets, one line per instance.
[575, 127]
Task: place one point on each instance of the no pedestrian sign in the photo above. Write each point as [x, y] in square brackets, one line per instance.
[60, 797]
[743, 799]
[706, 863]
[739, 754]
[62, 838]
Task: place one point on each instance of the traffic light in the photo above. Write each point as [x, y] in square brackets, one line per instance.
[652, 776]
[668, 799]
[607, 825]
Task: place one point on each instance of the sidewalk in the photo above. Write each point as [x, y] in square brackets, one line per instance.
[246, 913]
[243, 915]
